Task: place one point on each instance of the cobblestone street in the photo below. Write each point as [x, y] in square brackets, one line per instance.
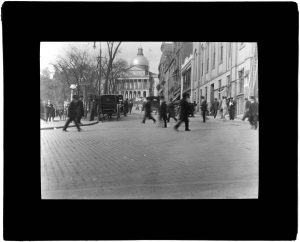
[127, 159]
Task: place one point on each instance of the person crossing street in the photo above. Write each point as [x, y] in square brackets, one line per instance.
[148, 111]
[171, 111]
[184, 113]
[73, 113]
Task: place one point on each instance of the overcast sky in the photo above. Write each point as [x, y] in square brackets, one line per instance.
[151, 50]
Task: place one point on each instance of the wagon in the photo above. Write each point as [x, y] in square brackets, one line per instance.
[110, 105]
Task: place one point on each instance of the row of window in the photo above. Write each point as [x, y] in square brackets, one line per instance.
[210, 51]
[140, 84]
[233, 87]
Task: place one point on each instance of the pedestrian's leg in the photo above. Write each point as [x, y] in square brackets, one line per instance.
[165, 120]
[150, 117]
[77, 124]
[67, 124]
[168, 118]
[178, 124]
[186, 121]
[144, 119]
[174, 118]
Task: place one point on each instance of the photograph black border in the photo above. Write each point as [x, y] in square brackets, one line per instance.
[273, 216]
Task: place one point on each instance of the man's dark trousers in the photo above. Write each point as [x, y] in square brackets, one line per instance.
[69, 121]
[148, 116]
[253, 120]
[204, 115]
[186, 122]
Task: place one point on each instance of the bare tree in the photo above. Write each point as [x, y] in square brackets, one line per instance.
[107, 66]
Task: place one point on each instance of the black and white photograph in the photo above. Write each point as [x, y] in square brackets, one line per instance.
[149, 128]
[149, 120]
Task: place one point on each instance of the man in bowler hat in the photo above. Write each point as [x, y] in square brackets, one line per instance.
[73, 113]
[184, 113]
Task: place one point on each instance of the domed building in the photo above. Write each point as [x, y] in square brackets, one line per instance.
[139, 81]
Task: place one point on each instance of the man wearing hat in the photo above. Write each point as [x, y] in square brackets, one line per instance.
[253, 113]
[184, 113]
[231, 107]
[73, 113]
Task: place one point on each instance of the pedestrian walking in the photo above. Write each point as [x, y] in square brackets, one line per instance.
[137, 107]
[130, 106]
[81, 109]
[215, 107]
[126, 107]
[203, 108]
[247, 106]
[253, 113]
[73, 113]
[48, 111]
[184, 113]
[171, 111]
[163, 111]
[223, 108]
[52, 112]
[231, 106]
[148, 111]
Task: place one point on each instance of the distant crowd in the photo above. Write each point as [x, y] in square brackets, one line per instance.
[227, 106]
[179, 111]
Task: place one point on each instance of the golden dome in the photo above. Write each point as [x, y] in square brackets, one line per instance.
[140, 59]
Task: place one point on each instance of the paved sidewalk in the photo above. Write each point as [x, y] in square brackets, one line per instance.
[59, 124]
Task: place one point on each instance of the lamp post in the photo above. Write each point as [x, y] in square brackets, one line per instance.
[99, 62]
[72, 86]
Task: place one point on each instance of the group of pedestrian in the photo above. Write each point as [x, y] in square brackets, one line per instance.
[75, 113]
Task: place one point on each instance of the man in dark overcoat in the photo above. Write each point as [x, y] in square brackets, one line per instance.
[184, 112]
[148, 111]
[171, 111]
[247, 106]
[126, 107]
[163, 111]
[203, 108]
[215, 107]
[231, 108]
[73, 113]
[253, 113]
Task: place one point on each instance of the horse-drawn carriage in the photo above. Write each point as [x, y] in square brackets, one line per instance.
[110, 105]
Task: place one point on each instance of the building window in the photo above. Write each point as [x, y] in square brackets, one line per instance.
[220, 89]
[214, 56]
[207, 57]
[241, 77]
[242, 45]
[221, 53]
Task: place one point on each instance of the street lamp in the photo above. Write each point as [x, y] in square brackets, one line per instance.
[99, 62]
[72, 86]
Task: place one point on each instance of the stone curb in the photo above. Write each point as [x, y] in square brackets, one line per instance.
[73, 125]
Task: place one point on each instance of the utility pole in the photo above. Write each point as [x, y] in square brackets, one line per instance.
[99, 88]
